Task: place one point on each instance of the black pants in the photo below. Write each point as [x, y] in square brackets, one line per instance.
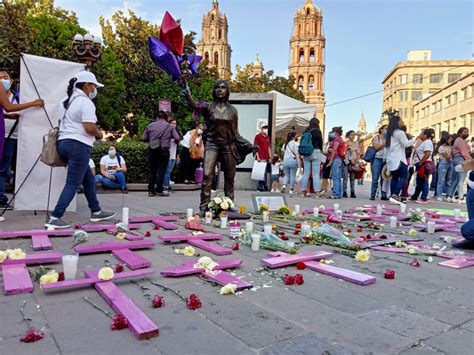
[157, 164]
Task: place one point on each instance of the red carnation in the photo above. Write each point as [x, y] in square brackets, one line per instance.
[299, 279]
[308, 239]
[415, 263]
[284, 237]
[289, 280]
[31, 336]
[193, 302]
[296, 232]
[349, 231]
[118, 268]
[119, 322]
[359, 230]
[298, 226]
[368, 236]
[158, 301]
[147, 234]
[300, 266]
[383, 237]
[77, 226]
[61, 276]
[389, 274]
[235, 246]
[156, 227]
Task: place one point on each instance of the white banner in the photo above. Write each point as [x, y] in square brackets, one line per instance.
[51, 78]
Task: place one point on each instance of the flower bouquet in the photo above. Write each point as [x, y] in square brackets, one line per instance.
[326, 234]
[269, 242]
[220, 204]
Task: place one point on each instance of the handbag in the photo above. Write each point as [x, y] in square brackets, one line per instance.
[49, 151]
[370, 154]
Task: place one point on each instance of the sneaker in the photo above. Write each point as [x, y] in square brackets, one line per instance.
[57, 223]
[396, 200]
[283, 189]
[101, 216]
[449, 199]
[344, 194]
[439, 199]
[273, 190]
[384, 198]
[171, 182]
[291, 192]
[372, 198]
[353, 195]
[461, 201]
[421, 201]
[151, 194]
[163, 194]
[465, 244]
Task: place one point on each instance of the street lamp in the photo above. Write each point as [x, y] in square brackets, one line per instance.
[87, 48]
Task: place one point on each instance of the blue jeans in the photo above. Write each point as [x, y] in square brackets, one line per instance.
[290, 165]
[457, 178]
[443, 171]
[118, 183]
[376, 169]
[169, 170]
[399, 178]
[312, 164]
[467, 229]
[422, 185]
[9, 151]
[336, 170]
[76, 155]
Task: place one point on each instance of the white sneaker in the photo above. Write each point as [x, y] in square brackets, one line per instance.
[461, 201]
[283, 189]
[449, 199]
[440, 199]
[273, 190]
[291, 192]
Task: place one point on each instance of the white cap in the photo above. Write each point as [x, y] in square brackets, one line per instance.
[87, 77]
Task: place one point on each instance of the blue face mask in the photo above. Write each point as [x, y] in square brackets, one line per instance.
[331, 136]
[384, 132]
[93, 94]
[6, 84]
[112, 153]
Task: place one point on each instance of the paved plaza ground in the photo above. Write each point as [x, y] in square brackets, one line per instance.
[425, 310]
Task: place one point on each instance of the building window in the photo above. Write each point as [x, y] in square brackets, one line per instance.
[455, 97]
[206, 56]
[301, 58]
[448, 100]
[403, 112]
[307, 11]
[311, 55]
[402, 79]
[220, 34]
[436, 78]
[416, 95]
[212, 17]
[453, 77]
[403, 96]
[311, 82]
[417, 78]
[300, 83]
[216, 59]
[464, 93]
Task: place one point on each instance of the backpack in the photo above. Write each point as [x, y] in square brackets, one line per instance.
[342, 150]
[306, 144]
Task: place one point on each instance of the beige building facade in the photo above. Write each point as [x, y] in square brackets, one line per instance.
[448, 109]
[412, 81]
[214, 45]
[307, 56]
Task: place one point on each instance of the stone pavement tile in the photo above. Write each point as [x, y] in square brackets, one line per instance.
[421, 349]
[469, 326]
[11, 319]
[454, 342]
[458, 296]
[307, 344]
[13, 345]
[406, 323]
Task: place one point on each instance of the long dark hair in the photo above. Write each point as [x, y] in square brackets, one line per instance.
[393, 125]
[313, 124]
[289, 137]
[460, 130]
[442, 140]
[70, 90]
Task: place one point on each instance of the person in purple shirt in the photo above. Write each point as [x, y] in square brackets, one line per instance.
[158, 135]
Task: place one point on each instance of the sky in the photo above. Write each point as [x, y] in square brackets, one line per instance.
[365, 39]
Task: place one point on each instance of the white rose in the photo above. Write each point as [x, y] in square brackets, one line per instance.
[106, 273]
[49, 278]
[206, 263]
[224, 205]
[218, 200]
[3, 256]
[228, 289]
[16, 254]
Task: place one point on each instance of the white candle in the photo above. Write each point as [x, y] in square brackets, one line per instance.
[267, 229]
[315, 212]
[430, 227]
[457, 212]
[255, 241]
[189, 212]
[403, 208]
[249, 227]
[208, 217]
[297, 209]
[125, 215]
[265, 216]
[393, 222]
[305, 229]
[70, 266]
[339, 214]
[336, 207]
[379, 210]
[223, 222]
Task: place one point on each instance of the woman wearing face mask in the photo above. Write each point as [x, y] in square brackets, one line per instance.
[376, 165]
[192, 153]
[77, 133]
[337, 152]
[461, 154]
[326, 173]
[113, 169]
[423, 154]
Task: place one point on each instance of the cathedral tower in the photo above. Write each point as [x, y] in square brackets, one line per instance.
[307, 56]
[214, 45]
[257, 67]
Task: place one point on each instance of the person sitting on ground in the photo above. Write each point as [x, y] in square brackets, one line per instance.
[113, 169]
[467, 230]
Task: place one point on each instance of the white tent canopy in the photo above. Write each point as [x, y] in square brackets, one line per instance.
[291, 113]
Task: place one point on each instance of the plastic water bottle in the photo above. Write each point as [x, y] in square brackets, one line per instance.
[199, 174]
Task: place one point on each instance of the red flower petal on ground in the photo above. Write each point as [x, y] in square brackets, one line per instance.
[383, 237]
[284, 237]
[368, 236]
[148, 234]
[415, 263]
[289, 280]
[308, 239]
[300, 266]
[193, 302]
[299, 280]
[118, 268]
[349, 231]
[376, 228]
[296, 232]
[31, 336]
[156, 227]
[235, 246]
[119, 322]
[298, 226]
[359, 230]
[77, 226]
[158, 301]
[389, 274]
[61, 276]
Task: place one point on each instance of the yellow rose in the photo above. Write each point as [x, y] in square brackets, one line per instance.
[106, 273]
[411, 250]
[3, 256]
[206, 263]
[228, 289]
[120, 235]
[49, 278]
[363, 255]
[326, 261]
[412, 232]
[16, 254]
[189, 251]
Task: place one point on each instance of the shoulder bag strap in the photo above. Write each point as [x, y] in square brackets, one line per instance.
[67, 108]
[15, 125]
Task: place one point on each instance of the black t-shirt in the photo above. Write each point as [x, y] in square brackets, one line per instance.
[316, 138]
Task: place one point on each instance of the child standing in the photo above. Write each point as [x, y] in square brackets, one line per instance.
[276, 163]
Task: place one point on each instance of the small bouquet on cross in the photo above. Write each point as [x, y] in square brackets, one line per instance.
[221, 204]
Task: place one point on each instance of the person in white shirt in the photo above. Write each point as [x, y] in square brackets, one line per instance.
[423, 154]
[276, 165]
[396, 141]
[291, 162]
[172, 161]
[77, 134]
[113, 169]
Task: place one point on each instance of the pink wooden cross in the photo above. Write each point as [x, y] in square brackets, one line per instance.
[138, 322]
[39, 238]
[217, 275]
[122, 251]
[310, 259]
[161, 221]
[16, 278]
[199, 241]
[112, 228]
